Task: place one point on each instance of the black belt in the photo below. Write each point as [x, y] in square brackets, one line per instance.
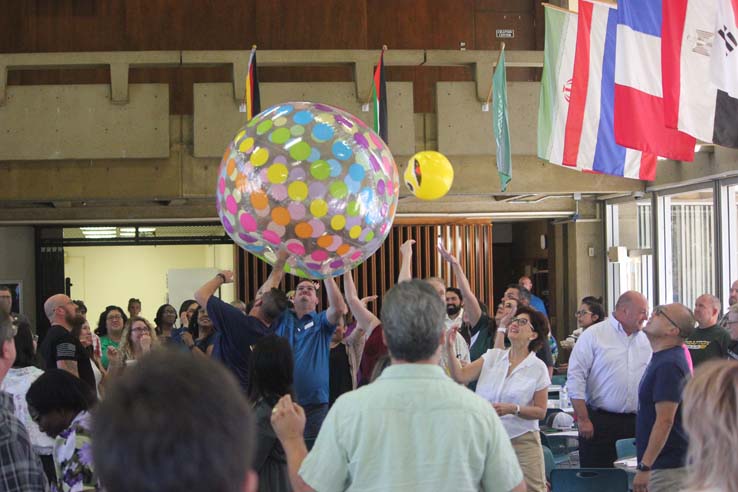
[606, 412]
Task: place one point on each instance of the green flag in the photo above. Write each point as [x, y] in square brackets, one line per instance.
[500, 126]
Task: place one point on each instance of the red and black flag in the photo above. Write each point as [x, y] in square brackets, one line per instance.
[379, 99]
[251, 100]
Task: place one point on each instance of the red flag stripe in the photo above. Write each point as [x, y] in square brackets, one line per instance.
[674, 14]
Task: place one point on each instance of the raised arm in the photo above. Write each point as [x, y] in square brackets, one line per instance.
[469, 372]
[471, 305]
[204, 293]
[365, 319]
[276, 275]
[336, 306]
[406, 260]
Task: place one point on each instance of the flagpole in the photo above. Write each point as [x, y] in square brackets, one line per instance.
[556, 7]
[502, 49]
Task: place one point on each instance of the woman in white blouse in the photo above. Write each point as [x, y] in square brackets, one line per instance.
[516, 383]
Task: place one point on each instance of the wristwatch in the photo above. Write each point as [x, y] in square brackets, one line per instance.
[643, 468]
[517, 410]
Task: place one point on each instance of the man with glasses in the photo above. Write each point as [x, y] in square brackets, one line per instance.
[20, 467]
[660, 438]
[709, 341]
[60, 348]
[605, 368]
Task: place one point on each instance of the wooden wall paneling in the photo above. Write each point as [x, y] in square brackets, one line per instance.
[505, 5]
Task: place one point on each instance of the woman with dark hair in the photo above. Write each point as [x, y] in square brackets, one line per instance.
[59, 403]
[203, 326]
[110, 330]
[186, 310]
[516, 383]
[166, 317]
[271, 370]
[589, 313]
[85, 336]
[24, 372]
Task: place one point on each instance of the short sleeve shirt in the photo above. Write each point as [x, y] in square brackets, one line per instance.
[413, 429]
[310, 339]
[518, 388]
[708, 343]
[59, 345]
[236, 334]
[663, 380]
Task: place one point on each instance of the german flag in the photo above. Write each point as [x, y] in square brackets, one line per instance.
[379, 100]
[251, 100]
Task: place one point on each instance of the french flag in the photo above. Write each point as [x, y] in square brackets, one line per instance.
[639, 104]
[589, 141]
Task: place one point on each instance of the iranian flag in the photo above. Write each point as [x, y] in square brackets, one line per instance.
[558, 71]
[379, 100]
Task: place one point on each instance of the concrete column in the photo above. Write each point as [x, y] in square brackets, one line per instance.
[17, 264]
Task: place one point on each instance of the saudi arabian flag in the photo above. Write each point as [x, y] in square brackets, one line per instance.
[558, 71]
[500, 125]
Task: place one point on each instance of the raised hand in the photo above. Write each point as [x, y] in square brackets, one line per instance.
[445, 254]
[406, 249]
[228, 276]
[366, 300]
[288, 419]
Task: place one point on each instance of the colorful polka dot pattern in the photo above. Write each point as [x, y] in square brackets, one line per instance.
[312, 179]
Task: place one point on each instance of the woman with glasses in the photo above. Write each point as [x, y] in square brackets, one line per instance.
[516, 383]
[138, 338]
[59, 403]
[110, 330]
[589, 313]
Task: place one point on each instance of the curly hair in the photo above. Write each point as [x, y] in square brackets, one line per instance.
[127, 349]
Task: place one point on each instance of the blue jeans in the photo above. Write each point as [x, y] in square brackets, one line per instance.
[314, 417]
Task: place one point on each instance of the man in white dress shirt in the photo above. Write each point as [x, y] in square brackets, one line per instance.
[603, 378]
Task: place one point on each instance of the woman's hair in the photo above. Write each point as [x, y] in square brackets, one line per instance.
[382, 363]
[271, 370]
[25, 354]
[595, 306]
[56, 389]
[160, 316]
[185, 305]
[126, 343]
[710, 416]
[102, 327]
[538, 324]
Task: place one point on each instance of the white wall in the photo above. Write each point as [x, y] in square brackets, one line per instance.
[104, 275]
[18, 263]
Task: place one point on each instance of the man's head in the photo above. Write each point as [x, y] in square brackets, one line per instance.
[526, 282]
[517, 293]
[733, 299]
[707, 310]
[271, 305]
[438, 285]
[7, 343]
[6, 298]
[412, 321]
[306, 296]
[134, 307]
[166, 412]
[60, 310]
[454, 301]
[631, 311]
[669, 325]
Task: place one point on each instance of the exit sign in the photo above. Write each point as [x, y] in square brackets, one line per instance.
[504, 33]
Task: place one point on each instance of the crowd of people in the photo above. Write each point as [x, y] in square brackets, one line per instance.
[435, 394]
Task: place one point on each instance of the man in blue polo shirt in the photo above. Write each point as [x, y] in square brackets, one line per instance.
[660, 438]
[309, 334]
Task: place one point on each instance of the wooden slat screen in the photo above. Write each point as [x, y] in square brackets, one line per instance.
[471, 242]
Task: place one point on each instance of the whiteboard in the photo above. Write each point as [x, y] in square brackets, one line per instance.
[183, 282]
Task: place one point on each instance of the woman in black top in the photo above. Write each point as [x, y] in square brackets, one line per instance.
[271, 372]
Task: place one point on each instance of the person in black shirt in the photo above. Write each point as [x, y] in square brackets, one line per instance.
[60, 349]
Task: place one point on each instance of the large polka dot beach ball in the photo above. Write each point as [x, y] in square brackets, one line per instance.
[312, 179]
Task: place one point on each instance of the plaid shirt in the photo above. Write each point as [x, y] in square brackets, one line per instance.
[20, 468]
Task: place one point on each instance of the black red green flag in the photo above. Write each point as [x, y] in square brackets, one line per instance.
[379, 100]
[251, 99]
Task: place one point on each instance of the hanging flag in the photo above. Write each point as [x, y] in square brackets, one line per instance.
[692, 102]
[589, 140]
[724, 63]
[558, 68]
[639, 103]
[500, 126]
[379, 99]
[251, 104]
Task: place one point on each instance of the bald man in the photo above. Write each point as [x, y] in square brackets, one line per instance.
[60, 349]
[709, 341]
[603, 377]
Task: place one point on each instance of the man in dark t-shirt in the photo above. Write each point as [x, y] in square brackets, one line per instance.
[60, 349]
[661, 442]
[236, 332]
[710, 340]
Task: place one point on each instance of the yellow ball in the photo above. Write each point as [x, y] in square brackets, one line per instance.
[429, 175]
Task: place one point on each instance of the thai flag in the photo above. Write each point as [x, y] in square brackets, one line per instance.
[639, 104]
[589, 141]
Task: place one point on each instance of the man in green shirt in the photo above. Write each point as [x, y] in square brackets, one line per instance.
[709, 341]
[413, 428]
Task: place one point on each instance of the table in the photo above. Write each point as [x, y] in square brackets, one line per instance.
[627, 464]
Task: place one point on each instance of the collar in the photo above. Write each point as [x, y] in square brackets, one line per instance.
[525, 362]
[414, 371]
[619, 327]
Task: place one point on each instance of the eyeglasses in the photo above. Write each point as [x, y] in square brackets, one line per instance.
[114, 316]
[145, 329]
[520, 321]
[582, 312]
[660, 311]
